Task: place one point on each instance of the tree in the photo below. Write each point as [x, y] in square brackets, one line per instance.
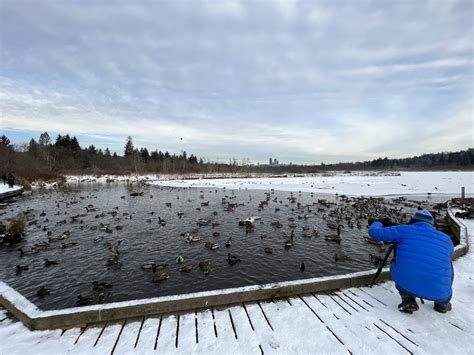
[4, 140]
[144, 154]
[44, 139]
[107, 152]
[128, 147]
[91, 149]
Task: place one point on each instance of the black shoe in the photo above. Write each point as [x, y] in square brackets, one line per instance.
[408, 305]
[443, 308]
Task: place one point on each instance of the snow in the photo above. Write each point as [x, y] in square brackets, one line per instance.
[5, 188]
[366, 184]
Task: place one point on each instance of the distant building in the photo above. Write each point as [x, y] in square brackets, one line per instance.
[270, 161]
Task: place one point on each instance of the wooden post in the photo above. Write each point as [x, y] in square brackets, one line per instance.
[463, 192]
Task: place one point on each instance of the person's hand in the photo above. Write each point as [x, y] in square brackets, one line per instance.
[386, 222]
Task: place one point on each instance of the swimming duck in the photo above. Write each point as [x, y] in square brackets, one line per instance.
[20, 268]
[228, 243]
[232, 259]
[50, 262]
[268, 250]
[43, 291]
[100, 285]
[180, 259]
[211, 246]
[302, 266]
[186, 268]
[337, 237]
[192, 238]
[84, 300]
[161, 277]
[205, 265]
[341, 257]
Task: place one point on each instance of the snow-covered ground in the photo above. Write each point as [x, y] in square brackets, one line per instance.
[355, 183]
[357, 321]
[368, 184]
[5, 188]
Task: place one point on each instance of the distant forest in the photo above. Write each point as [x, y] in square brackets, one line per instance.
[45, 159]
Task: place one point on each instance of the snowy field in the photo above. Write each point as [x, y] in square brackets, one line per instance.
[353, 321]
[366, 184]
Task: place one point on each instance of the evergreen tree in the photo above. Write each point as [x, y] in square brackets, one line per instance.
[129, 147]
[4, 140]
[44, 139]
[107, 152]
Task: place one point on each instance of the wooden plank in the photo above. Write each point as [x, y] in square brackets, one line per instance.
[207, 336]
[146, 342]
[167, 338]
[128, 338]
[187, 332]
[354, 331]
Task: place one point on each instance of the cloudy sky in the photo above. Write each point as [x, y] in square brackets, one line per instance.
[303, 81]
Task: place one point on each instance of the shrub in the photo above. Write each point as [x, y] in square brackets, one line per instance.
[17, 226]
[23, 182]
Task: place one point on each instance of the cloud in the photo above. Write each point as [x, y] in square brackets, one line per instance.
[302, 80]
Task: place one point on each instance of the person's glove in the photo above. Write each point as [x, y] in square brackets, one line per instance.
[386, 222]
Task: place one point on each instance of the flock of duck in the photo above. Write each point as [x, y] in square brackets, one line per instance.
[342, 214]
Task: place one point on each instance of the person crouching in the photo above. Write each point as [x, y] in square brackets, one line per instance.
[422, 266]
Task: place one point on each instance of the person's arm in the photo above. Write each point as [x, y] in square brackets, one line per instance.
[386, 234]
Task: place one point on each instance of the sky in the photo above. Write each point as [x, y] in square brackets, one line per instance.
[301, 81]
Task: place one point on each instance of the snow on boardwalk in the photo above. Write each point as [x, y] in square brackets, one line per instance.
[352, 321]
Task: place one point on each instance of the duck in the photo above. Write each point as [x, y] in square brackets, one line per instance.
[372, 241]
[100, 285]
[152, 266]
[161, 277]
[268, 250]
[48, 263]
[180, 259]
[99, 239]
[229, 242]
[20, 268]
[84, 300]
[205, 265]
[43, 291]
[337, 237]
[341, 257]
[232, 259]
[211, 246]
[302, 266]
[216, 234]
[192, 238]
[186, 268]
[27, 252]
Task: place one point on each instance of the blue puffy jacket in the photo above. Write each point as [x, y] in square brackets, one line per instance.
[423, 258]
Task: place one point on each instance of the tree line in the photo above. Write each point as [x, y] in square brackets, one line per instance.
[45, 158]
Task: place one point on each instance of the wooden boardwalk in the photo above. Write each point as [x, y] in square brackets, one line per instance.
[353, 321]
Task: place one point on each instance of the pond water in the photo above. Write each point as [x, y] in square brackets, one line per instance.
[75, 226]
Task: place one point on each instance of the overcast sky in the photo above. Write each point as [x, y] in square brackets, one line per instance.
[302, 81]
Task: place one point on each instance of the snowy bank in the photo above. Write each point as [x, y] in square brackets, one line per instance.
[6, 192]
[365, 184]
